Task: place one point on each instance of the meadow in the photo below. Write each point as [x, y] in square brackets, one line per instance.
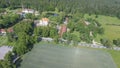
[111, 26]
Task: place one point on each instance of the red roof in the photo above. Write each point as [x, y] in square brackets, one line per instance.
[45, 19]
[2, 30]
[10, 30]
[63, 29]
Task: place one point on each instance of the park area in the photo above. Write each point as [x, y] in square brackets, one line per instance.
[48, 55]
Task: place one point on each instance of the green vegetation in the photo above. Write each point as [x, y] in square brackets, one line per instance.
[7, 63]
[57, 56]
[70, 22]
[104, 7]
[3, 40]
[45, 31]
[24, 37]
[88, 28]
[117, 42]
[110, 25]
[9, 20]
[116, 56]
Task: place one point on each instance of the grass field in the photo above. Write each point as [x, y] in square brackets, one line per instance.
[3, 40]
[111, 31]
[115, 55]
[53, 56]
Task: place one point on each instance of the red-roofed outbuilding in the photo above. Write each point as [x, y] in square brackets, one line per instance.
[63, 30]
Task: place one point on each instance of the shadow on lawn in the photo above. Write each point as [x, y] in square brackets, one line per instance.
[18, 63]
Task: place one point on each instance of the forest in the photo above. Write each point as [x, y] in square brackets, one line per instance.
[103, 7]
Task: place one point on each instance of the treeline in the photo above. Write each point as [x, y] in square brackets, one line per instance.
[23, 40]
[9, 20]
[23, 37]
[105, 7]
[45, 32]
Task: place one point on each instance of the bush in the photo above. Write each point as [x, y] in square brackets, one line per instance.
[107, 43]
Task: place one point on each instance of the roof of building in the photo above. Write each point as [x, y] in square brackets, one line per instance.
[63, 29]
[2, 30]
[28, 10]
[10, 30]
[45, 19]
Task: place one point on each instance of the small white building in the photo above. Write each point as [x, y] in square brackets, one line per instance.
[28, 11]
[66, 21]
[91, 33]
[87, 23]
[47, 39]
[36, 13]
[42, 22]
[3, 32]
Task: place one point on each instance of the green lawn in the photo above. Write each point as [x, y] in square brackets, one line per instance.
[116, 56]
[47, 55]
[3, 40]
[111, 32]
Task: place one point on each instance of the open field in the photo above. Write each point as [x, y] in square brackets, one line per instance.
[54, 56]
[3, 40]
[116, 56]
[111, 31]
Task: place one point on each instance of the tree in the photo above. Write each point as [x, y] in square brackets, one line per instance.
[11, 37]
[101, 30]
[8, 57]
[106, 43]
[1, 64]
[75, 39]
[30, 16]
[45, 32]
[9, 20]
[53, 32]
[56, 39]
[118, 15]
[117, 42]
[20, 48]
[71, 25]
[27, 27]
[7, 62]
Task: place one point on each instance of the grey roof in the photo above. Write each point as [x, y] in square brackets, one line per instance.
[4, 50]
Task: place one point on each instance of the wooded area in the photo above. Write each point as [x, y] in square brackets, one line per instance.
[105, 7]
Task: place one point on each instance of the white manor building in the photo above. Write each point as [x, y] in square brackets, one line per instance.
[28, 11]
[42, 22]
